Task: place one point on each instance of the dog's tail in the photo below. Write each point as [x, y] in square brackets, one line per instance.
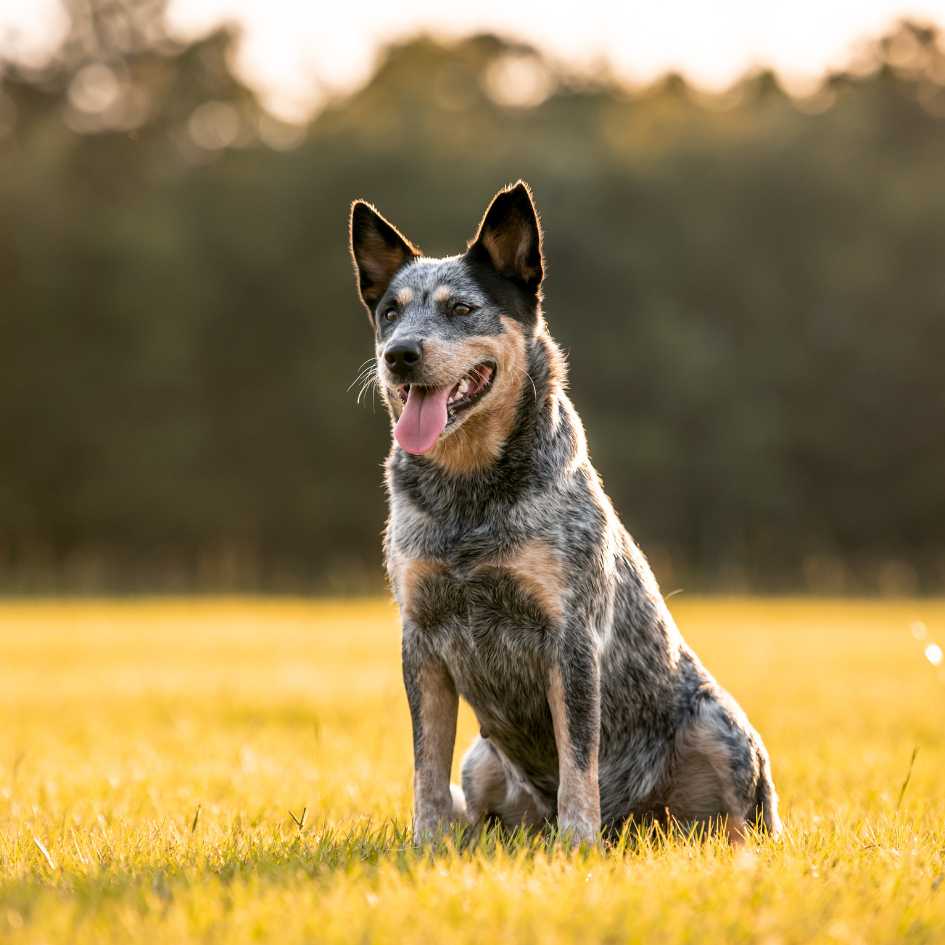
[766, 800]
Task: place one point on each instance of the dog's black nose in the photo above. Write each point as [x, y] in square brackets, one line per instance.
[403, 356]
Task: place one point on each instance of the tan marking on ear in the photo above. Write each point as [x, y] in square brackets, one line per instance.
[405, 295]
[378, 249]
[406, 575]
[441, 293]
[380, 262]
[578, 790]
[537, 568]
[476, 445]
[507, 244]
[509, 232]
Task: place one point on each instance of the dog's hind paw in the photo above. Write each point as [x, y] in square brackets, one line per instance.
[460, 814]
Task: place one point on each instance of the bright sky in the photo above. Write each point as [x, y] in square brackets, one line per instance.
[294, 48]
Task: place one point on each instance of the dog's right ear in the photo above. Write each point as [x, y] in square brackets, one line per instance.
[378, 249]
[509, 237]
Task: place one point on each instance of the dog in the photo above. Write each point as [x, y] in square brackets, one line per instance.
[518, 587]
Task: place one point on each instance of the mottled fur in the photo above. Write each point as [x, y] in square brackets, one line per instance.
[520, 591]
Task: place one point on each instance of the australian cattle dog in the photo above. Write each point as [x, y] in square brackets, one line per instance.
[519, 589]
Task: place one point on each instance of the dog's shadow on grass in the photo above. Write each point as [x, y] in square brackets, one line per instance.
[394, 842]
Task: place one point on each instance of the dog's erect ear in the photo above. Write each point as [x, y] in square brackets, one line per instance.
[509, 236]
[379, 251]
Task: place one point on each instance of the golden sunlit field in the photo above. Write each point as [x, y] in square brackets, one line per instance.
[239, 771]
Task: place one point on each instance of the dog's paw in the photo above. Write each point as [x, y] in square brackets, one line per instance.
[430, 827]
[429, 832]
[459, 814]
[579, 830]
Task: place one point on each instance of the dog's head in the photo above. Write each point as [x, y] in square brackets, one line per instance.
[451, 334]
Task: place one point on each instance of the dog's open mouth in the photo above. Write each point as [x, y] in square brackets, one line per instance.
[429, 410]
[470, 387]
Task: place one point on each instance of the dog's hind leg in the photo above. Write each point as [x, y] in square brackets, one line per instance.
[483, 779]
[765, 813]
[492, 790]
[459, 804]
[721, 772]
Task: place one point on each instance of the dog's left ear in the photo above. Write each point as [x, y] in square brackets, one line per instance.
[378, 249]
[509, 237]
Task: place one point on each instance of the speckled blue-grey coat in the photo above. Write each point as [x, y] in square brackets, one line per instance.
[519, 589]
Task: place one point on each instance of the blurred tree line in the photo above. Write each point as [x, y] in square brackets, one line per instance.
[750, 286]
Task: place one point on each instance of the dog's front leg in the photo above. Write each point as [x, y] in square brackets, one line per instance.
[574, 698]
[433, 707]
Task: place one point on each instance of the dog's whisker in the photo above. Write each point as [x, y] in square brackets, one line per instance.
[369, 380]
[364, 372]
[359, 375]
[369, 384]
[369, 365]
[530, 378]
[362, 389]
[358, 380]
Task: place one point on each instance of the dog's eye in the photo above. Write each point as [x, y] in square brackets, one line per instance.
[390, 315]
[461, 308]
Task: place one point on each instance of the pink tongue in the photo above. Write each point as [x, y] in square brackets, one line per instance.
[423, 419]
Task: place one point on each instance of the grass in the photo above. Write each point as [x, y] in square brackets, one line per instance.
[239, 771]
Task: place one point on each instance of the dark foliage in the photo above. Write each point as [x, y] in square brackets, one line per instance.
[750, 287]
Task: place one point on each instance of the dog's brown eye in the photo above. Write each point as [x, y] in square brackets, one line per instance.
[390, 315]
[461, 308]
